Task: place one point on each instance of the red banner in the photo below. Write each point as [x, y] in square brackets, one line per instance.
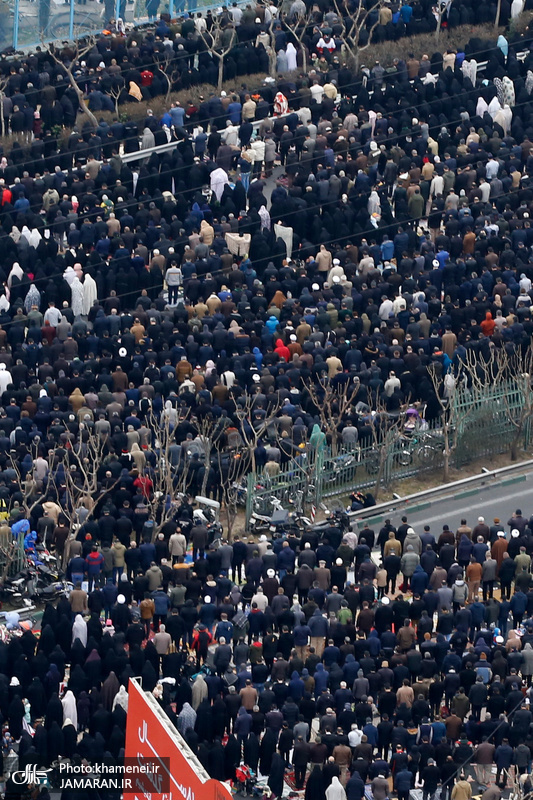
[177, 773]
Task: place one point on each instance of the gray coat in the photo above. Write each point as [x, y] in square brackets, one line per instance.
[413, 539]
[527, 666]
[409, 562]
[490, 569]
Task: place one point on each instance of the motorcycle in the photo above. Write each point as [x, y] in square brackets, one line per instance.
[208, 515]
[238, 492]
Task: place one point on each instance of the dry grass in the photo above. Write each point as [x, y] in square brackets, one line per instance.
[521, 25]
[456, 39]
[158, 105]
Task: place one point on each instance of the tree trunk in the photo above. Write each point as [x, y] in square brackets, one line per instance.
[83, 107]
[206, 470]
[220, 73]
[437, 32]
[447, 451]
[272, 62]
[230, 519]
[446, 466]
[514, 445]
[497, 18]
[381, 470]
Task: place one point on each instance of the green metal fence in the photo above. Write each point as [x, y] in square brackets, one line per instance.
[484, 419]
[12, 558]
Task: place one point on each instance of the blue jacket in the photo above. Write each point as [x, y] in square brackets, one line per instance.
[331, 655]
[296, 687]
[321, 679]
[403, 780]
[243, 723]
[355, 788]
[464, 548]
[518, 603]
[419, 581]
[286, 559]
[479, 551]
[301, 635]
[224, 629]
[147, 551]
[318, 624]
[350, 669]
[371, 733]
[22, 526]
[503, 756]
[161, 601]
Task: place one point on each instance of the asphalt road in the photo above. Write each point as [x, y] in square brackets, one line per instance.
[496, 499]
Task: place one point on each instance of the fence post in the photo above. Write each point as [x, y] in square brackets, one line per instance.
[71, 21]
[318, 468]
[16, 25]
[250, 484]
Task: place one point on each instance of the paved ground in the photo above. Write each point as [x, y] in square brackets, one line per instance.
[495, 499]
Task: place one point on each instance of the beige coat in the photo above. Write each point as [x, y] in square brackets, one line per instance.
[462, 791]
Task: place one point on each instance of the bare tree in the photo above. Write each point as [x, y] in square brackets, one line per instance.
[511, 375]
[219, 41]
[167, 468]
[29, 486]
[254, 426]
[210, 437]
[332, 400]
[74, 477]
[232, 465]
[445, 389]
[115, 93]
[463, 395]
[438, 11]
[358, 26]
[168, 67]
[297, 24]
[80, 48]
[386, 431]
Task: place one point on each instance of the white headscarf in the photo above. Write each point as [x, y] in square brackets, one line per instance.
[336, 790]
[35, 238]
[70, 711]
[79, 630]
[121, 699]
[16, 270]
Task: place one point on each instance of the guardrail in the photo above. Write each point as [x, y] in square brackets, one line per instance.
[426, 498]
[169, 146]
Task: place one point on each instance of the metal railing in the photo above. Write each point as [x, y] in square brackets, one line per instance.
[30, 22]
[484, 428]
[12, 557]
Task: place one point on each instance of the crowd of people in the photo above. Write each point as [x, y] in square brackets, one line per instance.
[341, 663]
[355, 228]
